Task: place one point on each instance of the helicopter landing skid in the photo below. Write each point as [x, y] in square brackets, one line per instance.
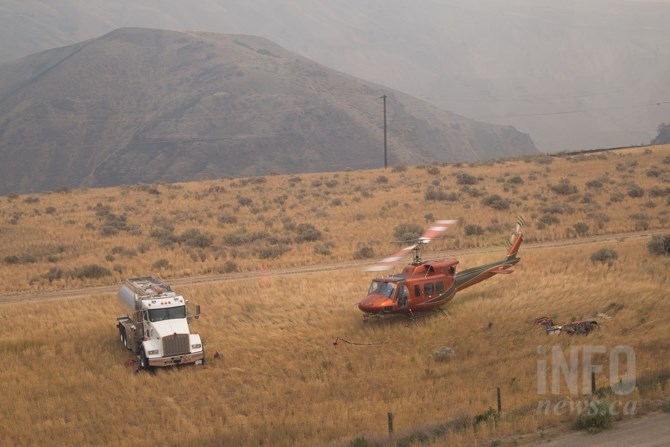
[411, 316]
[414, 316]
[377, 317]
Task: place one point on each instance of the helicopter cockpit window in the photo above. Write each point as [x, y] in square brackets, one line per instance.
[387, 289]
[374, 286]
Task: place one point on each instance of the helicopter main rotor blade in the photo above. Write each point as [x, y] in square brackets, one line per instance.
[431, 233]
[387, 263]
[434, 230]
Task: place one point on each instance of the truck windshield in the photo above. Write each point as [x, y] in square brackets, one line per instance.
[168, 313]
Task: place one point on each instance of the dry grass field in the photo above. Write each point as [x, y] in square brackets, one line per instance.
[280, 380]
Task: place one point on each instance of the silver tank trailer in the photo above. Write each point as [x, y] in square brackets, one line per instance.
[135, 290]
[129, 298]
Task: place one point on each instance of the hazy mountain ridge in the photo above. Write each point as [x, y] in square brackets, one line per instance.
[574, 75]
[140, 105]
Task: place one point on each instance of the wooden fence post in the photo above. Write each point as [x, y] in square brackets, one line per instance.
[499, 402]
[390, 419]
[593, 381]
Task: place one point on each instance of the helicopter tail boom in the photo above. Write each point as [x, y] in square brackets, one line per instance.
[472, 276]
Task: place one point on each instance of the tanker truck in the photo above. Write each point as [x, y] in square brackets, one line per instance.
[157, 330]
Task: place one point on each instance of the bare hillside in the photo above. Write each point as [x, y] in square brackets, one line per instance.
[140, 106]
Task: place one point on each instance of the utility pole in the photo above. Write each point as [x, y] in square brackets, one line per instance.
[385, 159]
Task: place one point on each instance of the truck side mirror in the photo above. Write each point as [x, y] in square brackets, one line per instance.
[197, 311]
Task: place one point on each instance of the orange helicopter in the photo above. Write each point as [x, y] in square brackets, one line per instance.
[426, 285]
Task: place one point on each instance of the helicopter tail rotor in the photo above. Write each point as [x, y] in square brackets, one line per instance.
[514, 242]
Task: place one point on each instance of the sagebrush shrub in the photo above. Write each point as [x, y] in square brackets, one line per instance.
[473, 230]
[307, 232]
[659, 245]
[496, 202]
[89, 271]
[635, 191]
[407, 232]
[581, 228]
[364, 252]
[194, 238]
[596, 418]
[605, 256]
[564, 188]
[161, 264]
[433, 170]
[463, 178]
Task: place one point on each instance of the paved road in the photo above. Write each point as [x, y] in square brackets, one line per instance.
[652, 430]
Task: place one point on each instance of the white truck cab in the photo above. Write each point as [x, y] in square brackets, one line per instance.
[158, 331]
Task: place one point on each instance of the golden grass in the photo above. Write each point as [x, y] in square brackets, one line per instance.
[47, 237]
[281, 380]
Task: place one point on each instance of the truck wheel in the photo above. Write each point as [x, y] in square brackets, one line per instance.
[124, 339]
[144, 362]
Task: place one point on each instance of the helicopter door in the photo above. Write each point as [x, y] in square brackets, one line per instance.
[403, 296]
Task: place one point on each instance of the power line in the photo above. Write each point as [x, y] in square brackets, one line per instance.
[519, 98]
[385, 158]
[569, 112]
